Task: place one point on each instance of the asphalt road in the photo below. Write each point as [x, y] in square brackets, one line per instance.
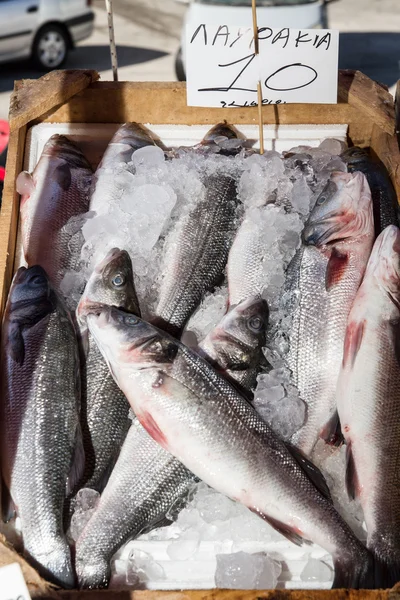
[148, 34]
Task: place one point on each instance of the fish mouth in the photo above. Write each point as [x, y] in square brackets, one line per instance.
[320, 232]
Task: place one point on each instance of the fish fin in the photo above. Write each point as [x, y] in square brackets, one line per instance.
[352, 342]
[8, 507]
[311, 471]
[24, 183]
[336, 268]
[77, 463]
[285, 530]
[351, 480]
[16, 343]
[387, 568]
[62, 175]
[354, 571]
[331, 433]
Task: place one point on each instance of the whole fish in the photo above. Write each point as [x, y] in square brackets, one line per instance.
[384, 199]
[192, 412]
[57, 190]
[368, 399]
[196, 251]
[145, 483]
[235, 345]
[127, 139]
[41, 444]
[323, 279]
[110, 283]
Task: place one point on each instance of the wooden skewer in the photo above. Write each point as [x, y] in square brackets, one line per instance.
[113, 49]
[259, 90]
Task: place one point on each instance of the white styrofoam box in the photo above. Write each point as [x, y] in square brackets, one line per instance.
[198, 571]
[93, 138]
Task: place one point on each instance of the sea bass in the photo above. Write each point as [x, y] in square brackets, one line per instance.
[196, 251]
[41, 444]
[195, 414]
[235, 345]
[384, 199]
[57, 190]
[368, 399]
[322, 280]
[110, 283]
[146, 482]
[126, 140]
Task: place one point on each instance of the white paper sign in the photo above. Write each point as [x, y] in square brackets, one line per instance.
[294, 65]
[12, 583]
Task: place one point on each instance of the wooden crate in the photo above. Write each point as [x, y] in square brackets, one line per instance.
[77, 97]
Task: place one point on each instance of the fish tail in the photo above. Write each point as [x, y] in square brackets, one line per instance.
[387, 571]
[354, 572]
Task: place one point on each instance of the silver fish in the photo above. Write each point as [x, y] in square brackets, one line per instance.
[110, 283]
[368, 400]
[197, 416]
[145, 483]
[57, 191]
[322, 281]
[234, 346]
[41, 444]
[196, 252]
[126, 140]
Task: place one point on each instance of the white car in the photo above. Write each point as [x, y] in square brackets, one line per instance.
[304, 14]
[44, 30]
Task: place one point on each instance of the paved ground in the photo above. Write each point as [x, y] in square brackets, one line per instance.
[148, 33]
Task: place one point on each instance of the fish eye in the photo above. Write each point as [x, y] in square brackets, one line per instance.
[38, 280]
[255, 324]
[118, 280]
[131, 320]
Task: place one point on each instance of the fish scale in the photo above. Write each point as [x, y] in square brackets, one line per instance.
[144, 485]
[196, 252]
[40, 431]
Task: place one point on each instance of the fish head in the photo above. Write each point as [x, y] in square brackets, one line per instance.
[384, 263]
[221, 130]
[241, 333]
[126, 341]
[355, 156]
[59, 147]
[31, 298]
[343, 210]
[111, 283]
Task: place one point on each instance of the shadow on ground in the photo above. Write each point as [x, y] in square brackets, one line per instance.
[83, 57]
[375, 54]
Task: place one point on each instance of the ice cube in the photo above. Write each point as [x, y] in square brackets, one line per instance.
[241, 570]
[333, 146]
[316, 570]
[184, 547]
[147, 157]
[142, 568]
[86, 499]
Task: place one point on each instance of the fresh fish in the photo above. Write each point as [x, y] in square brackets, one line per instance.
[384, 199]
[110, 283]
[41, 445]
[234, 346]
[126, 140]
[146, 483]
[197, 416]
[57, 190]
[196, 252]
[368, 399]
[322, 281]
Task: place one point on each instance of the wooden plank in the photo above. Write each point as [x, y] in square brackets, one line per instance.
[10, 211]
[34, 97]
[368, 96]
[387, 150]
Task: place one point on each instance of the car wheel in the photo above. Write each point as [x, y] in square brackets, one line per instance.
[50, 48]
[179, 68]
